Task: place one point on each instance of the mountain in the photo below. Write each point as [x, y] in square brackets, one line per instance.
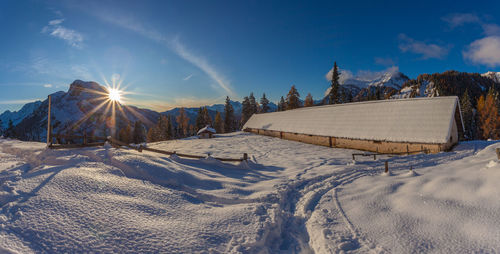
[192, 112]
[362, 86]
[84, 107]
[449, 83]
[17, 116]
[495, 76]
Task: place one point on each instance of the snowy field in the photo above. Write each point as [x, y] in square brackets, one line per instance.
[290, 197]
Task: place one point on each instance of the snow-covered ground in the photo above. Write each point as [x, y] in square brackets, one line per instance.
[289, 197]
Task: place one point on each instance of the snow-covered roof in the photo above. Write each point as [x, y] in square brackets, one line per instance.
[423, 120]
[206, 129]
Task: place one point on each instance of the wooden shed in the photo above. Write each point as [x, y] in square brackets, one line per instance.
[387, 126]
[206, 132]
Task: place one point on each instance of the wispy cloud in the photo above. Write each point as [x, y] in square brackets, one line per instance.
[55, 29]
[162, 105]
[47, 85]
[425, 50]
[188, 77]
[459, 19]
[172, 43]
[484, 51]
[385, 61]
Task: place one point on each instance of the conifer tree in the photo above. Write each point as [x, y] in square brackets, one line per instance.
[182, 122]
[125, 134]
[468, 115]
[170, 131]
[246, 110]
[228, 116]
[206, 118]
[333, 95]
[292, 98]
[1, 129]
[489, 121]
[282, 104]
[309, 101]
[139, 135]
[199, 119]
[264, 102]
[10, 130]
[254, 107]
[218, 123]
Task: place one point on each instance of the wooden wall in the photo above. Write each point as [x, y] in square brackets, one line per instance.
[366, 145]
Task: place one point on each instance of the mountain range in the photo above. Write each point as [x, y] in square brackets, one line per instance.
[84, 107]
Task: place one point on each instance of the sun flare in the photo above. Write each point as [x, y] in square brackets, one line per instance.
[114, 95]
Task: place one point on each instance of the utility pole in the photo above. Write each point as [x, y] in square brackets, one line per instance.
[49, 131]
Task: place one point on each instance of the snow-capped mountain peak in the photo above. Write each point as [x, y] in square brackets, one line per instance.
[495, 76]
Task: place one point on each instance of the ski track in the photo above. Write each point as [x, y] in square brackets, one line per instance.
[304, 203]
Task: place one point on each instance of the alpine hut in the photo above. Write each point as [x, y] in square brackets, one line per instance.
[206, 132]
[386, 126]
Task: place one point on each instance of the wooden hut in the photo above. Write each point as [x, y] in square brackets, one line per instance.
[384, 126]
[206, 132]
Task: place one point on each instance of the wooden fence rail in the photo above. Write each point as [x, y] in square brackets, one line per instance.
[140, 148]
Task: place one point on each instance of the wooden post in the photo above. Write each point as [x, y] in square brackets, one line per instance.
[407, 150]
[85, 137]
[374, 156]
[281, 134]
[353, 158]
[245, 156]
[411, 167]
[386, 167]
[49, 131]
[330, 141]
[498, 153]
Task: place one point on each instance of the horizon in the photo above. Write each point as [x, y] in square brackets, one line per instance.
[167, 54]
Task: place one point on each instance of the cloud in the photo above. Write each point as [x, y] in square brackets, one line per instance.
[425, 50]
[458, 19]
[361, 74]
[55, 22]
[47, 85]
[71, 36]
[484, 51]
[188, 77]
[384, 61]
[172, 43]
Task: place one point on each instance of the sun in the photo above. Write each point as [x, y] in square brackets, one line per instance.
[114, 95]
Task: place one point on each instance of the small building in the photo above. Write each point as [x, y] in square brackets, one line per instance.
[385, 126]
[206, 132]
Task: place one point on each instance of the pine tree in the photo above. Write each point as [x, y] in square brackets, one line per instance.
[264, 102]
[254, 107]
[139, 135]
[282, 104]
[292, 98]
[228, 116]
[489, 121]
[309, 101]
[333, 95]
[170, 131]
[10, 130]
[199, 119]
[246, 110]
[182, 122]
[218, 124]
[467, 115]
[125, 134]
[206, 118]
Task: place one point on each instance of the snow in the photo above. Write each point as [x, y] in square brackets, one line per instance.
[495, 76]
[289, 197]
[206, 128]
[425, 120]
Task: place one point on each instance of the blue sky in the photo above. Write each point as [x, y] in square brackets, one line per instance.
[191, 53]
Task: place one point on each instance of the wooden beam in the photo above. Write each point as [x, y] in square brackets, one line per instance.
[49, 131]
